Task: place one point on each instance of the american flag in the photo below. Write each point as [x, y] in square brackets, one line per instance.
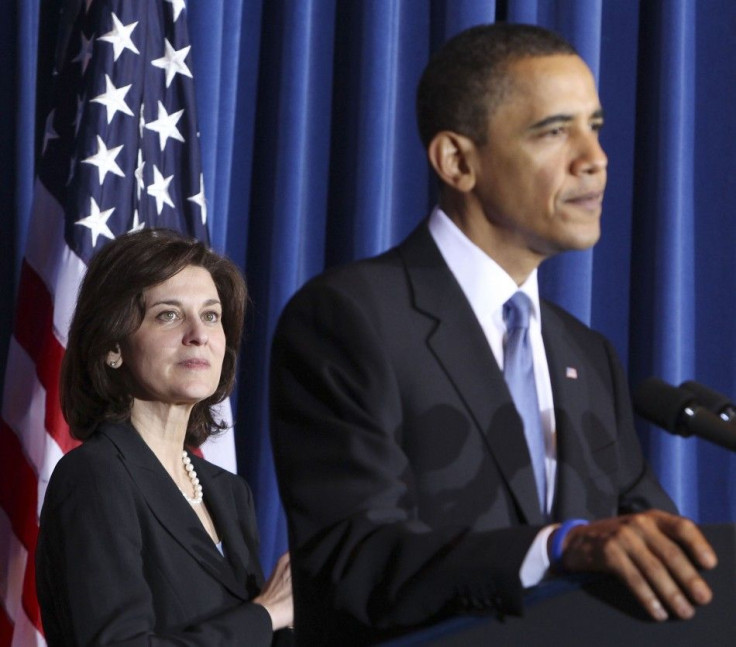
[120, 151]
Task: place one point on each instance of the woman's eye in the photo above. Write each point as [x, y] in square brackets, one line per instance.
[211, 317]
[168, 315]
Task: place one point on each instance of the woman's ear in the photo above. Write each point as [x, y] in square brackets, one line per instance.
[451, 156]
[114, 358]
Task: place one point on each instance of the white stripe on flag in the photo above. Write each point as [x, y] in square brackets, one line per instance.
[60, 269]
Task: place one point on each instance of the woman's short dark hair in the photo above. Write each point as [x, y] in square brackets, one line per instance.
[467, 78]
[111, 306]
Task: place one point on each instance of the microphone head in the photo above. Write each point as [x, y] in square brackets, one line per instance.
[661, 403]
[712, 400]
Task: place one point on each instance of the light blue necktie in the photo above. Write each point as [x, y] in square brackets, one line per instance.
[518, 371]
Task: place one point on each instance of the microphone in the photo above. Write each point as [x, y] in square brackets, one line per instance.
[712, 400]
[678, 411]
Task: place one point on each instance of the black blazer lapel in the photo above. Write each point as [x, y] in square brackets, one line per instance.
[459, 345]
[220, 499]
[169, 507]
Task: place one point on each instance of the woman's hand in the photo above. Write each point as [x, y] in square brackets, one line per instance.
[276, 595]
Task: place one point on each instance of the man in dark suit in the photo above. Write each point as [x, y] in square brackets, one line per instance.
[418, 479]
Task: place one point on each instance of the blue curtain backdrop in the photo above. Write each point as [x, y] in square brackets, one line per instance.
[311, 158]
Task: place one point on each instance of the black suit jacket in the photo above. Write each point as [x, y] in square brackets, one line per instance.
[122, 559]
[401, 458]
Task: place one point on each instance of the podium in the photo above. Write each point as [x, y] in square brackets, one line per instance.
[599, 611]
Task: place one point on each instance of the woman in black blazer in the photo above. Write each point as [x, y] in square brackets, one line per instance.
[141, 541]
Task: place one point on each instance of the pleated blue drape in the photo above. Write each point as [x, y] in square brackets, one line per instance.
[311, 159]
[663, 249]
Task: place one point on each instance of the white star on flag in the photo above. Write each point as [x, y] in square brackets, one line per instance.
[165, 125]
[173, 62]
[113, 99]
[96, 222]
[199, 199]
[137, 225]
[85, 51]
[142, 120]
[178, 6]
[119, 37]
[49, 133]
[138, 174]
[104, 160]
[160, 189]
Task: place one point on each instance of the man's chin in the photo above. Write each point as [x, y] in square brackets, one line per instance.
[584, 244]
[578, 243]
[584, 238]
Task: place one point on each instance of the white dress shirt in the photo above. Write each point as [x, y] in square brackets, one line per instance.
[487, 287]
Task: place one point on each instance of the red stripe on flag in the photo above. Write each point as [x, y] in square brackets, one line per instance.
[19, 492]
[34, 330]
[30, 599]
[19, 499]
[6, 628]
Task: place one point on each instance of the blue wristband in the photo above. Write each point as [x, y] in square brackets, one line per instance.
[558, 539]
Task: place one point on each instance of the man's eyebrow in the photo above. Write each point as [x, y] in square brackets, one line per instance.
[552, 119]
[562, 119]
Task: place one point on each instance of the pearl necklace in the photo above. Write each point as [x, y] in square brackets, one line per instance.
[196, 485]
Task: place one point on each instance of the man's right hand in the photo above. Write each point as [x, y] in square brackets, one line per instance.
[656, 554]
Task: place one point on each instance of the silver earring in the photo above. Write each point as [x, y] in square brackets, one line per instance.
[114, 363]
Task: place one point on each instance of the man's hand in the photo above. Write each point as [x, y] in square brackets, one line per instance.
[654, 553]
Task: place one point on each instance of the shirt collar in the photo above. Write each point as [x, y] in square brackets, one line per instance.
[486, 285]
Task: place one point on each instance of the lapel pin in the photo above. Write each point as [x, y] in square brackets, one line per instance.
[571, 373]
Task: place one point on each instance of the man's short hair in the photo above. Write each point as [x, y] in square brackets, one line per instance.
[467, 78]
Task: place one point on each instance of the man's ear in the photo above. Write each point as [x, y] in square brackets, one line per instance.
[451, 156]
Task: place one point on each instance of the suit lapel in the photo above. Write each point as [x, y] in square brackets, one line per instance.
[169, 507]
[460, 347]
[221, 503]
[571, 378]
